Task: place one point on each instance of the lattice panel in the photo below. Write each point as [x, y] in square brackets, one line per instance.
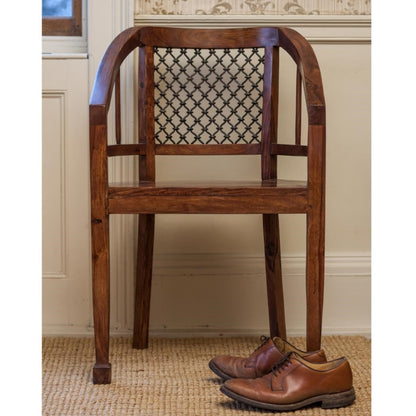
[208, 96]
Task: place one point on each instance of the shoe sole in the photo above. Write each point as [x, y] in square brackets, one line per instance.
[328, 401]
[218, 371]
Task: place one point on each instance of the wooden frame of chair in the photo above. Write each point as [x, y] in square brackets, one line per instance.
[269, 196]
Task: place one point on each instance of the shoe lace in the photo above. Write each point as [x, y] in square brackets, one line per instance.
[264, 340]
[282, 364]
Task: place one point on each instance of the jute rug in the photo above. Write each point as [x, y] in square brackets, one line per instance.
[172, 378]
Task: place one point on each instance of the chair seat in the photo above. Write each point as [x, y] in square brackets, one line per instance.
[225, 197]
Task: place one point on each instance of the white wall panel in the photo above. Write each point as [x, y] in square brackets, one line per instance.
[53, 179]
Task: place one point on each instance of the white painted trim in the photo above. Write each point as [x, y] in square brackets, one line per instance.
[317, 29]
[50, 55]
[232, 265]
[159, 332]
[238, 332]
[282, 20]
[64, 44]
[62, 96]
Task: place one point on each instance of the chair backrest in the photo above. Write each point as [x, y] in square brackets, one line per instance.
[211, 91]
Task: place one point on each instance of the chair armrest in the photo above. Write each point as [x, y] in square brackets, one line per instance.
[302, 53]
[109, 66]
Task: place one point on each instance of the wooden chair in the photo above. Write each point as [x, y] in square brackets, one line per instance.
[207, 92]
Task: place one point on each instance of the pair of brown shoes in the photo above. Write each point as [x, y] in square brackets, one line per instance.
[279, 376]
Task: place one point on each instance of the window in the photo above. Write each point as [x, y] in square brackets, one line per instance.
[62, 17]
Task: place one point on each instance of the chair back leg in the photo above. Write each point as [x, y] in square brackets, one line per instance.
[274, 275]
[143, 280]
[315, 259]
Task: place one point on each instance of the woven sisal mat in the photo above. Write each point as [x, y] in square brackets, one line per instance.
[172, 378]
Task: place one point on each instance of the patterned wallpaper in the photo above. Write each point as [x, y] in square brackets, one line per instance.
[250, 7]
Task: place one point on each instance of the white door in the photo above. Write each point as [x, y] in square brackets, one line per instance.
[65, 248]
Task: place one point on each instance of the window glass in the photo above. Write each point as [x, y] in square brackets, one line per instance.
[62, 17]
[61, 8]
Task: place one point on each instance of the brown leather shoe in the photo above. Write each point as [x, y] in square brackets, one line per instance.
[261, 361]
[294, 383]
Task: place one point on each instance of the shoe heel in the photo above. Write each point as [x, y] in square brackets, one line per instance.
[332, 401]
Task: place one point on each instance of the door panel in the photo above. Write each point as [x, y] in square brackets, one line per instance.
[65, 220]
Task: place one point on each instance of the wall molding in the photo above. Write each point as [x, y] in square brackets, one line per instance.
[234, 265]
[175, 269]
[61, 96]
[324, 29]
[195, 332]
[67, 55]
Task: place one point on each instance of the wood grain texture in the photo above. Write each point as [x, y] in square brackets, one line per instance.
[315, 245]
[209, 38]
[146, 114]
[302, 53]
[210, 204]
[272, 187]
[143, 280]
[275, 298]
[126, 149]
[206, 149]
[298, 111]
[118, 109]
[289, 150]
[100, 253]
[196, 197]
[117, 51]
[268, 161]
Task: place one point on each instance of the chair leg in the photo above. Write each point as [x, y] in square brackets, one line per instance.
[315, 261]
[101, 299]
[143, 280]
[274, 275]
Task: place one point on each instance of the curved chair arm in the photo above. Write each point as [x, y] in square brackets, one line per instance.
[109, 66]
[302, 53]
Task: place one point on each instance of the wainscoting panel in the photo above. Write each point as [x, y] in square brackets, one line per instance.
[54, 206]
[226, 294]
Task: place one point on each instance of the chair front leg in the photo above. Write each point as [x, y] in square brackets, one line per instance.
[101, 298]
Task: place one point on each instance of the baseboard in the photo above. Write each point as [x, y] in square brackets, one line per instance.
[248, 332]
[235, 265]
[202, 333]
[225, 295]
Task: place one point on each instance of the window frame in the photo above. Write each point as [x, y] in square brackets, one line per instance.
[64, 26]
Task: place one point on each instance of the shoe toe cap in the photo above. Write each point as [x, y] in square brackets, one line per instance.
[248, 388]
